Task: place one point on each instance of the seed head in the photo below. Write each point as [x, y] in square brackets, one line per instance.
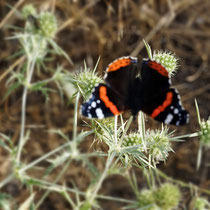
[159, 144]
[85, 81]
[201, 203]
[47, 24]
[167, 60]
[132, 139]
[167, 196]
[205, 132]
[146, 200]
[28, 10]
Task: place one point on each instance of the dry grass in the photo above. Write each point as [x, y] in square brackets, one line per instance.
[109, 29]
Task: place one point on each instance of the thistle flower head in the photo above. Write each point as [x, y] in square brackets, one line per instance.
[47, 24]
[132, 139]
[201, 203]
[28, 10]
[33, 45]
[85, 81]
[205, 132]
[167, 60]
[158, 144]
[101, 127]
[167, 196]
[146, 200]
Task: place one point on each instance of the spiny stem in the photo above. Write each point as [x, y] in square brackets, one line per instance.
[59, 188]
[35, 162]
[141, 125]
[7, 180]
[59, 176]
[23, 112]
[29, 72]
[102, 177]
[75, 116]
[126, 128]
[22, 131]
[115, 129]
[199, 157]
[181, 183]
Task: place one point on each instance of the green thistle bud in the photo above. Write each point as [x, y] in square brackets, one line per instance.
[146, 200]
[86, 206]
[167, 60]
[132, 139]
[158, 144]
[33, 45]
[28, 10]
[167, 196]
[47, 24]
[42, 43]
[201, 203]
[85, 81]
[101, 126]
[205, 132]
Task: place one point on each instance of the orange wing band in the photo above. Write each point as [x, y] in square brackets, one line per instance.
[103, 96]
[159, 68]
[119, 64]
[162, 107]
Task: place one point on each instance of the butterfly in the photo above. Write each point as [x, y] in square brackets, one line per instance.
[132, 86]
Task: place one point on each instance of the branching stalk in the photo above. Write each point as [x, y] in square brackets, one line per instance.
[102, 177]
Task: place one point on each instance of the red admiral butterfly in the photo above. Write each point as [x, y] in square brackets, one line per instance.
[129, 87]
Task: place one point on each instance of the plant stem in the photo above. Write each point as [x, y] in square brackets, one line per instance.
[22, 130]
[59, 188]
[7, 180]
[75, 116]
[103, 176]
[181, 183]
[23, 112]
[59, 176]
[52, 152]
[126, 128]
[29, 72]
[141, 125]
[115, 129]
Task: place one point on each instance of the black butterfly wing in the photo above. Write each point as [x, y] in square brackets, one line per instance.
[157, 98]
[120, 77]
[152, 81]
[104, 102]
[166, 107]
[154, 77]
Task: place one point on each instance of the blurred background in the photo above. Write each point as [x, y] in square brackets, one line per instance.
[89, 29]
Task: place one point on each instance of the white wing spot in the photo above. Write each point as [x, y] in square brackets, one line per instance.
[89, 107]
[93, 104]
[176, 111]
[168, 119]
[99, 113]
[98, 101]
[89, 115]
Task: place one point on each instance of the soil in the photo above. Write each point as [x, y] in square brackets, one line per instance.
[109, 29]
